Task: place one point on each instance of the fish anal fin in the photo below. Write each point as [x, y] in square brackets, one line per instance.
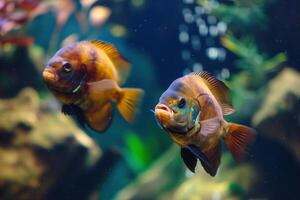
[189, 159]
[67, 109]
[219, 89]
[120, 63]
[206, 162]
[74, 111]
[99, 118]
[238, 138]
[129, 103]
[214, 157]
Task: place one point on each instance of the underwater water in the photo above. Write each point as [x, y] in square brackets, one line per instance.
[94, 149]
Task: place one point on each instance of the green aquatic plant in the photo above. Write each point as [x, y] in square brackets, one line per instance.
[254, 70]
[235, 190]
[138, 152]
[255, 64]
[240, 15]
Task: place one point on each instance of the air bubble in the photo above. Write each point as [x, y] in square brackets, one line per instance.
[203, 30]
[197, 67]
[212, 53]
[186, 10]
[211, 19]
[221, 54]
[200, 21]
[222, 27]
[183, 37]
[185, 54]
[188, 1]
[188, 17]
[199, 10]
[225, 73]
[196, 44]
[186, 71]
[213, 31]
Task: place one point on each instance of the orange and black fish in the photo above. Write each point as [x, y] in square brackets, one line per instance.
[191, 111]
[86, 77]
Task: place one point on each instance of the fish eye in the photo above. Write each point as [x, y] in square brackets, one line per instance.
[181, 103]
[67, 67]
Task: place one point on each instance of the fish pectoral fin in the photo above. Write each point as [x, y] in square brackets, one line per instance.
[227, 109]
[202, 157]
[189, 159]
[219, 90]
[96, 89]
[214, 159]
[209, 126]
[129, 103]
[99, 118]
[120, 63]
[238, 138]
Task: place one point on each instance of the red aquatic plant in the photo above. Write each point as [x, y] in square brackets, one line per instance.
[13, 15]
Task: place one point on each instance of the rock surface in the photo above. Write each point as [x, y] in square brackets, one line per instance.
[43, 155]
[166, 179]
[166, 173]
[228, 184]
[278, 117]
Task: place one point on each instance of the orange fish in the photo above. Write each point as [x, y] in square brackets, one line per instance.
[86, 78]
[191, 111]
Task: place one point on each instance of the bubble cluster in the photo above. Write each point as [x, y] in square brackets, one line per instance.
[199, 34]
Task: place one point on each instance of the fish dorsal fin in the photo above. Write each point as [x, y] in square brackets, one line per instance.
[219, 90]
[122, 66]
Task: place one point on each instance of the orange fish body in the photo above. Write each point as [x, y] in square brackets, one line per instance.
[86, 78]
[191, 111]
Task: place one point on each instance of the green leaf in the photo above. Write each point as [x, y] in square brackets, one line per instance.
[138, 154]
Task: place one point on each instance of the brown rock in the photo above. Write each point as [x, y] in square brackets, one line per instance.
[43, 155]
[278, 117]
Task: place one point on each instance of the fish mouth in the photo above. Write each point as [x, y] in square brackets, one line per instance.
[49, 75]
[165, 116]
[162, 109]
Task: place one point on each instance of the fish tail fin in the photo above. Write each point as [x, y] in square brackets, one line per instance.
[129, 103]
[238, 138]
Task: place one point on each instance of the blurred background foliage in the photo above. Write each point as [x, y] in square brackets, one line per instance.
[261, 39]
[245, 19]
